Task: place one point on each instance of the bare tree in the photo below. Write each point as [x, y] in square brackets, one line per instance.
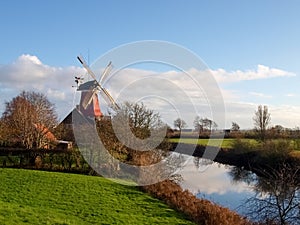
[198, 126]
[180, 124]
[2, 133]
[204, 124]
[141, 119]
[277, 197]
[133, 127]
[261, 120]
[208, 124]
[29, 119]
[136, 135]
[235, 126]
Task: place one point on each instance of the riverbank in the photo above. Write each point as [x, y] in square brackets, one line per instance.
[249, 155]
[201, 211]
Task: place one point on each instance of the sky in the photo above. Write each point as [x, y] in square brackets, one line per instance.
[251, 48]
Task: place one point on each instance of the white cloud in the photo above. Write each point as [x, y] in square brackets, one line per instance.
[261, 72]
[25, 58]
[57, 94]
[173, 93]
[209, 179]
[290, 95]
[261, 95]
[285, 115]
[243, 112]
[30, 74]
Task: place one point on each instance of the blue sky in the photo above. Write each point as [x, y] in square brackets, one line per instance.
[228, 35]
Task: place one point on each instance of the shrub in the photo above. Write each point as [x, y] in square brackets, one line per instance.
[243, 146]
[199, 210]
[275, 152]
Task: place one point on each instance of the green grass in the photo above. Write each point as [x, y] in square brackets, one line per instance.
[38, 197]
[226, 143]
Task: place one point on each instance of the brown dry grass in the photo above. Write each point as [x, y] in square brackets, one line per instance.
[199, 210]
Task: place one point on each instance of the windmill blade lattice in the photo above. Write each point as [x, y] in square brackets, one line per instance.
[98, 87]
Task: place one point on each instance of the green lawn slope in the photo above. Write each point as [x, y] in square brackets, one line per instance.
[38, 197]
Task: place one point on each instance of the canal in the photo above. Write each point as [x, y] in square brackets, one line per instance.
[275, 196]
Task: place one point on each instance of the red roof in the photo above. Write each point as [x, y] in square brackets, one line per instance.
[46, 132]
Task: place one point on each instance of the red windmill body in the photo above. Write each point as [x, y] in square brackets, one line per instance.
[93, 109]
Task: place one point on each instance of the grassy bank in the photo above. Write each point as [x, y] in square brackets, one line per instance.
[247, 153]
[37, 197]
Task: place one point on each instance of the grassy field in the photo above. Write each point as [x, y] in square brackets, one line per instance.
[226, 143]
[37, 197]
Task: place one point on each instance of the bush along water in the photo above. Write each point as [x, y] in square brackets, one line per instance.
[199, 210]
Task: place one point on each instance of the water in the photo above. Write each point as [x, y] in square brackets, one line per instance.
[215, 183]
[275, 196]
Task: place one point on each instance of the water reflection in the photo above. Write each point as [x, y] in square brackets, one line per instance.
[213, 181]
[274, 196]
[277, 195]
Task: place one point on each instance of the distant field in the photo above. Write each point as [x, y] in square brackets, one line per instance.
[37, 197]
[226, 143]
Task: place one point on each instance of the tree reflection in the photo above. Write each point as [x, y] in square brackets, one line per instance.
[201, 162]
[277, 198]
[240, 174]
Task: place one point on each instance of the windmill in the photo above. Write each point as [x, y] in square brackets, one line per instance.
[89, 103]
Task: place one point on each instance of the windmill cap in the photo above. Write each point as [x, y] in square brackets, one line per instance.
[87, 86]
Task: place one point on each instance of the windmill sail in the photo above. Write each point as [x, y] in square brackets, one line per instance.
[106, 72]
[89, 103]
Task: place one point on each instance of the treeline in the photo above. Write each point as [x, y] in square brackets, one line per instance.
[204, 127]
